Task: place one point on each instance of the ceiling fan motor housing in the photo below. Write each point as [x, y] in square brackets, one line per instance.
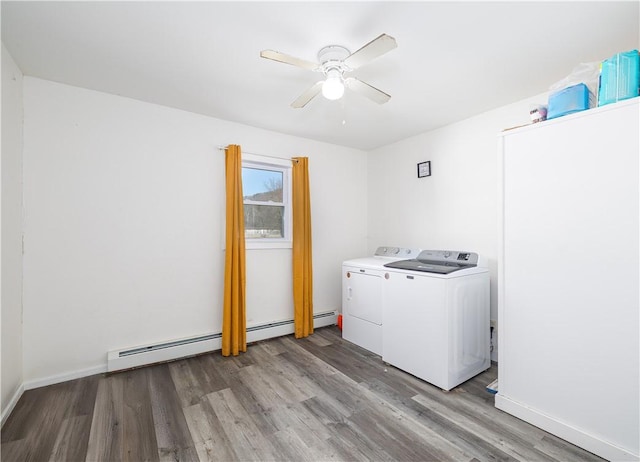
[332, 57]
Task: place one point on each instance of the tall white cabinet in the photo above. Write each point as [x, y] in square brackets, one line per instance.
[569, 278]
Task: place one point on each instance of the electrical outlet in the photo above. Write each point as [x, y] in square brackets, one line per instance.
[494, 323]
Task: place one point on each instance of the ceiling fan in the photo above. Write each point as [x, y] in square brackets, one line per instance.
[334, 62]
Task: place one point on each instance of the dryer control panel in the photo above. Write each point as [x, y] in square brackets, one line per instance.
[399, 252]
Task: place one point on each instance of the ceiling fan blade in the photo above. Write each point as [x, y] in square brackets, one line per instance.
[308, 95]
[367, 90]
[281, 57]
[369, 52]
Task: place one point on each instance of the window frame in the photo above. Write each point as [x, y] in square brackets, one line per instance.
[279, 165]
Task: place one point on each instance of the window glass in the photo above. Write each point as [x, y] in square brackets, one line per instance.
[263, 221]
[261, 185]
[266, 206]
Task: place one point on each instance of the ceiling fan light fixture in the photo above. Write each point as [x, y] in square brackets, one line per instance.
[334, 61]
[333, 87]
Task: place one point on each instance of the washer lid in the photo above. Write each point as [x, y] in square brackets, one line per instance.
[438, 261]
[429, 266]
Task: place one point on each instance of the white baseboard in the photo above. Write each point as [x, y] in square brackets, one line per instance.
[59, 378]
[11, 404]
[565, 431]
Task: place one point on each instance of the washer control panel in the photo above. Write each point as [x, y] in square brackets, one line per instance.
[467, 258]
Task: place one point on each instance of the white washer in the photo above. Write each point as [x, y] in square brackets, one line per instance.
[362, 296]
[436, 316]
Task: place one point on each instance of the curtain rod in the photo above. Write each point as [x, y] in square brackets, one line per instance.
[222, 148]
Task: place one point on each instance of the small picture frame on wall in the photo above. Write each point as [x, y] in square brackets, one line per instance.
[424, 169]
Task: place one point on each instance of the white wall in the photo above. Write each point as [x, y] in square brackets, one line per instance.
[11, 232]
[124, 233]
[124, 209]
[456, 207]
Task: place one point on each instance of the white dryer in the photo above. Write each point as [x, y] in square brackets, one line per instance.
[436, 316]
[362, 296]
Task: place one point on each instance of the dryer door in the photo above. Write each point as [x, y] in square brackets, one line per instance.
[363, 295]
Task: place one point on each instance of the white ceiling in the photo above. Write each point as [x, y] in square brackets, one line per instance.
[454, 59]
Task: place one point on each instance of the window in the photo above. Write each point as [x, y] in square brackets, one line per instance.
[266, 191]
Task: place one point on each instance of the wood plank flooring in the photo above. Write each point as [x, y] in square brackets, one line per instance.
[315, 399]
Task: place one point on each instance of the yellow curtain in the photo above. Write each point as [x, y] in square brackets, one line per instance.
[234, 324]
[302, 268]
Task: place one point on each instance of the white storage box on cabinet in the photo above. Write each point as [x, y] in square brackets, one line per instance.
[568, 302]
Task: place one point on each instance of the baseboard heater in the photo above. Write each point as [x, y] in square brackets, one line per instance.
[130, 358]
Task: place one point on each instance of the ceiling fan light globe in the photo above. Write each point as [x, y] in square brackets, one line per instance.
[333, 88]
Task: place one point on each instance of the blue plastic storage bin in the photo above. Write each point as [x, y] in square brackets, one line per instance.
[619, 77]
[569, 100]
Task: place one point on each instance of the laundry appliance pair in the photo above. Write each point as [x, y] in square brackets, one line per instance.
[424, 311]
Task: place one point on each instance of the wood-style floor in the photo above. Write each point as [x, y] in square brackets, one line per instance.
[314, 399]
